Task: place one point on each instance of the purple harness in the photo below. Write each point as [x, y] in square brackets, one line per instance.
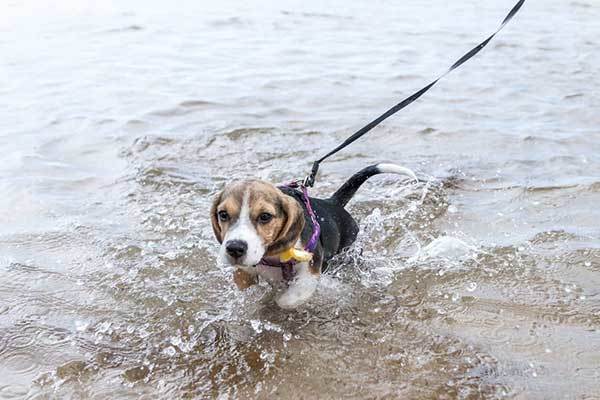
[287, 268]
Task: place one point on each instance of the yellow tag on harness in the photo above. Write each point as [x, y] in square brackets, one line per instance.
[295, 254]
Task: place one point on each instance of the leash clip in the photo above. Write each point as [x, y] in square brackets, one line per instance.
[309, 181]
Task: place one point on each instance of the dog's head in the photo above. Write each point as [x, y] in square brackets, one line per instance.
[253, 219]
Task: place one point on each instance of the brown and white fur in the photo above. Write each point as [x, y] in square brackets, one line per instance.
[254, 220]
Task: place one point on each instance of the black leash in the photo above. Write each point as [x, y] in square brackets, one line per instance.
[310, 179]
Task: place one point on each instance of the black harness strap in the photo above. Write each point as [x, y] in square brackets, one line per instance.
[310, 179]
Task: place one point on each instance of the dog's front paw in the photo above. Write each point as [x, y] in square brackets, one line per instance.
[297, 294]
[288, 302]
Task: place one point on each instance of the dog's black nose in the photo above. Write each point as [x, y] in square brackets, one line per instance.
[236, 248]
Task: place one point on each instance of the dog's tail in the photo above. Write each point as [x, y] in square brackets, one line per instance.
[343, 195]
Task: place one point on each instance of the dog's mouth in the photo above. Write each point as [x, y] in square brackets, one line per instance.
[240, 262]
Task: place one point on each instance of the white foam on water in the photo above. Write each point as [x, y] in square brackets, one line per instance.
[380, 251]
[447, 248]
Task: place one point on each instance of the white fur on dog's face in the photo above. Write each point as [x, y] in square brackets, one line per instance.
[243, 203]
[244, 230]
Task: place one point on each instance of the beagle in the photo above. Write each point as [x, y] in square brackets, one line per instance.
[264, 230]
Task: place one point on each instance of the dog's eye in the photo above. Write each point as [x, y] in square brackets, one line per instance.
[223, 216]
[264, 218]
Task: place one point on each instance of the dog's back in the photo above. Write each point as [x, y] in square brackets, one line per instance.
[338, 227]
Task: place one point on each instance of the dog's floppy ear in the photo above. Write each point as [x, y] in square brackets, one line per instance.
[292, 226]
[214, 219]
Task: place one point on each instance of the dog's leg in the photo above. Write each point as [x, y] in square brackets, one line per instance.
[301, 288]
[243, 279]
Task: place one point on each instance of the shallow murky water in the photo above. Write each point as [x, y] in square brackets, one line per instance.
[119, 122]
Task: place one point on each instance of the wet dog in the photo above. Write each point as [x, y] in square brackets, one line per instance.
[265, 231]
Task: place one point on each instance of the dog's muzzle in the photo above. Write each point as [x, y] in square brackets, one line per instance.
[236, 249]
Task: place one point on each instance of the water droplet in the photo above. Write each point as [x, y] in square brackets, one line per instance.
[170, 351]
[256, 325]
[81, 326]
[176, 341]
[104, 327]
[471, 286]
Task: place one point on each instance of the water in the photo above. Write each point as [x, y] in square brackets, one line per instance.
[120, 121]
